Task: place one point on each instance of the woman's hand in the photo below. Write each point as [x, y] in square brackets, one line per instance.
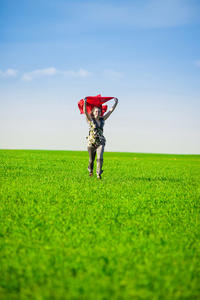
[116, 100]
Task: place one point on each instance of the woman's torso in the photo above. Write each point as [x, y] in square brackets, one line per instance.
[96, 137]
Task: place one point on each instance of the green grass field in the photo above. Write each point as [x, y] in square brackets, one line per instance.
[135, 234]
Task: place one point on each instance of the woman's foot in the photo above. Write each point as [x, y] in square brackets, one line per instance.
[99, 176]
[91, 174]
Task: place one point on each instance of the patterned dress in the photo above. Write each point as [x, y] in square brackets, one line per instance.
[96, 138]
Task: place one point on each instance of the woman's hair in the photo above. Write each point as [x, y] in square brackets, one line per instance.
[92, 111]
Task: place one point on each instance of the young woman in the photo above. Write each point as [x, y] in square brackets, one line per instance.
[96, 140]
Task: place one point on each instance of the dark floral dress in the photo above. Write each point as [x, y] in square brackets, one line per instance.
[96, 138]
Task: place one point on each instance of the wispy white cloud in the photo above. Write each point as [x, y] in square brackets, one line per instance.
[48, 72]
[112, 75]
[9, 73]
[197, 63]
[79, 73]
[38, 73]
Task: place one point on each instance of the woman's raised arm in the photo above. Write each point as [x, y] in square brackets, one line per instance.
[85, 110]
[111, 110]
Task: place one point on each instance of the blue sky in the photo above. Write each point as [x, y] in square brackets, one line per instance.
[146, 53]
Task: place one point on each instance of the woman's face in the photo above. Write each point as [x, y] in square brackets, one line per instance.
[97, 113]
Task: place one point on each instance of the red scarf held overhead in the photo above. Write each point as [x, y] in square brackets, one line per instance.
[94, 101]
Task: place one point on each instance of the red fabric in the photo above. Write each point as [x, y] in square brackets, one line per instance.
[94, 101]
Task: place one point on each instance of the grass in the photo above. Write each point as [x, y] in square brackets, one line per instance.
[135, 234]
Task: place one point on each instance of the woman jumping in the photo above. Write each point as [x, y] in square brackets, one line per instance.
[96, 140]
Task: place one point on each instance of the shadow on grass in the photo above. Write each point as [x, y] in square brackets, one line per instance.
[156, 179]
